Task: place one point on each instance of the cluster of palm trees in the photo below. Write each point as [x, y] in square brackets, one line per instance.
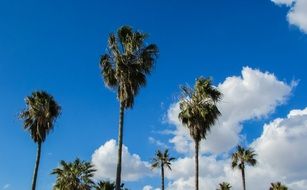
[124, 69]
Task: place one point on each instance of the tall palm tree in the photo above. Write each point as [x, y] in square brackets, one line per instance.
[75, 175]
[243, 157]
[224, 186]
[124, 68]
[39, 117]
[107, 185]
[198, 112]
[161, 160]
[278, 186]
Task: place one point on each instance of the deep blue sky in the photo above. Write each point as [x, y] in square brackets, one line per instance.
[56, 45]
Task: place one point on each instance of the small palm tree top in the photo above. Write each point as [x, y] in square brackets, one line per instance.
[243, 156]
[198, 107]
[162, 159]
[40, 114]
[278, 186]
[107, 185]
[224, 186]
[75, 175]
[127, 62]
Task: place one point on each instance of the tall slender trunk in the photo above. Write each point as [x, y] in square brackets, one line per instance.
[162, 175]
[196, 164]
[38, 156]
[120, 144]
[243, 177]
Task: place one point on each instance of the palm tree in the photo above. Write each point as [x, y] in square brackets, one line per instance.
[75, 175]
[124, 68]
[198, 112]
[160, 160]
[224, 186]
[278, 186]
[39, 117]
[241, 158]
[107, 185]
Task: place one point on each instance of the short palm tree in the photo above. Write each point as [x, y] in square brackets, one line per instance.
[107, 185]
[161, 160]
[75, 175]
[241, 158]
[278, 186]
[224, 186]
[198, 112]
[39, 117]
[124, 68]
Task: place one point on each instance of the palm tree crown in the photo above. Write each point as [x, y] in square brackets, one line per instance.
[107, 185]
[278, 186]
[162, 159]
[40, 115]
[224, 186]
[242, 157]
[75, 175]
[128, 62]
[198, 108]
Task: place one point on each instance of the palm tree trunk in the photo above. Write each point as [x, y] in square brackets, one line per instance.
[243, 177]
[196, 164]
[120, 144]
[162, 175]
[38, 156]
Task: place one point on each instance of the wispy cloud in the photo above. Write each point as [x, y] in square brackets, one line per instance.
[6, 186]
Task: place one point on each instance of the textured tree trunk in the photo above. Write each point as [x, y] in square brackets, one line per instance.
[38, 156]
[243, 177]
[162, 175]
[120, 144]
[196, 164]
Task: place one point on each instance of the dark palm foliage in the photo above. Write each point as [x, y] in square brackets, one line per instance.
[39, 116]
[224, 186]
[160, 160]
[241, 158]
[198, 112]
[124, 68]
[107, 185]
[75, 175]
[278, 186]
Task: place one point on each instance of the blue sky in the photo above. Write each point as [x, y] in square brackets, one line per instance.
[56, 45]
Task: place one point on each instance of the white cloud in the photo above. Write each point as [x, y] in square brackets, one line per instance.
[157, 142]
[283, 2]
[297, 14]
[281, 157]
[105, 159]
[148, 187]
[253, 95]
[6, 186]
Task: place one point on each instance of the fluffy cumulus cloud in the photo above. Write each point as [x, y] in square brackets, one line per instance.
[253, 95]
[105, 158]
[281, 157]
[297, 14]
